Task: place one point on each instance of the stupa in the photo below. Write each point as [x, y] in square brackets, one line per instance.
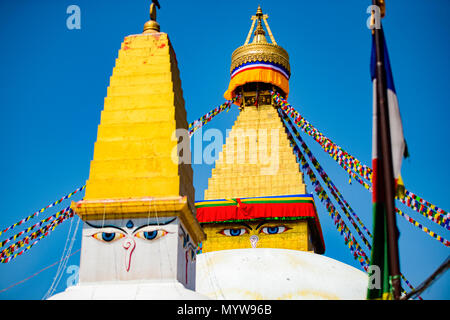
[140, 232]
[264, 239]
[256, 234]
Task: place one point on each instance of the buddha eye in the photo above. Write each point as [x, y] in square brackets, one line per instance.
[108, 236]
[274, 229]
[233, 232]
[151, 234]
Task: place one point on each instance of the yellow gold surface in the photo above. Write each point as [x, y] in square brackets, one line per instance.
[256, 160]
[295, 237]
[143, 108]
[252, 52]
[133, 172]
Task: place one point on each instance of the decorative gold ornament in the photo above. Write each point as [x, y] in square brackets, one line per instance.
[259, 49]
[260, 52]
[152, 26]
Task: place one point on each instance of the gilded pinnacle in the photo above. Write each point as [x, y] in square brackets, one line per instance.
[152, 26]
[259, 12]
[260, 49]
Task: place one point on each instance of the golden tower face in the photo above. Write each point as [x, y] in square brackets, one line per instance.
[257, 167]
[143, 108]
[292, 235]
[256, 159]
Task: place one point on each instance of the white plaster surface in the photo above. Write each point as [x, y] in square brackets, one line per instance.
[241, 274]
[264, 273]
[130, 290]
[150, 260]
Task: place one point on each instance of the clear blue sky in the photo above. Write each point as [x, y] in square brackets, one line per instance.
[53, 82]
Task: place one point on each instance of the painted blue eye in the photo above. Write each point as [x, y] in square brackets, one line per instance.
[233, 232]
[106, 236]
[274, 229]
[150, 235]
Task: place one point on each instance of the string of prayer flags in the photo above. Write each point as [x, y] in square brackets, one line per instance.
[427, 212]
[50, 228]
[42, 210]
[200, 122]
[423, 228]
[356, 169]
[331, 186]
[38, 224]
[19, 244]
[355, 249]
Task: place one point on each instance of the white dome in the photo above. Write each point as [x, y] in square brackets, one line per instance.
[269, 274]
[130, 290]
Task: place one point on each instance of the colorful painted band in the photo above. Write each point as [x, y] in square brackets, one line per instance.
[300, 198]
[259, 74]
[262, 65]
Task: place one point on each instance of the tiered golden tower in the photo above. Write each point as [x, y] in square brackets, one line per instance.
[256, 195]
[257, 159]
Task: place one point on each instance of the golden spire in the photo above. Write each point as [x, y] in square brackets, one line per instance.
[260, 49]
[152, 26]
[260, 34]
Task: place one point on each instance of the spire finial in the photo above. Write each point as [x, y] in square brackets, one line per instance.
[152, 26]
[259, 12]
[259, 51]
[260, 34]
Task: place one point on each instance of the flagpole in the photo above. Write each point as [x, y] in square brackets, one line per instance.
[386, 161]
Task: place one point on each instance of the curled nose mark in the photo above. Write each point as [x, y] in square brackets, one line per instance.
[254, 240]
[129, 246]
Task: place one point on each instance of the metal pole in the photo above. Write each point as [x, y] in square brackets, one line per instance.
[386, 162]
